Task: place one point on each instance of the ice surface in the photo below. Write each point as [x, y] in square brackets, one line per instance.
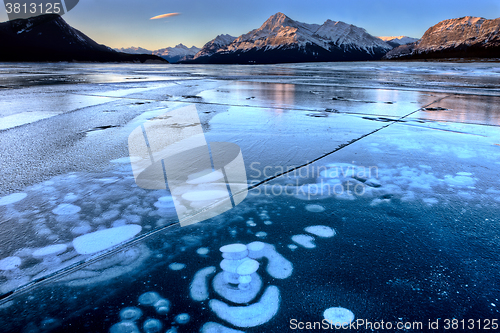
[434, 177]
[104, 239]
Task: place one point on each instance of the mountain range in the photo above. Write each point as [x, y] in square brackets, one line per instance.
[50, 38]
[397, 41]
[282, 39]
[279, 40]
[172, 54]
[466, 37]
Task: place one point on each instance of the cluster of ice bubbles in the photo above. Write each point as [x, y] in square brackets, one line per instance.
[63, 221]
[58, 233]
[380, 184]
[232, 293]
[131, 316]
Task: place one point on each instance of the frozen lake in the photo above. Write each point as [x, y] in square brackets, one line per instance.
[373, 192]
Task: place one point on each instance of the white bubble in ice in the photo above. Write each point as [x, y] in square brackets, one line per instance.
[66, 209]
[459, 180]
[152, 326]
[338, 316]
[252, 315]
[175, 266]
[292, 247]
[10, 263]
[229, 265]
[277, 265]
[162, 306]
[182, 318]
[70, 197]
[247, 267]
[103, 239]
[320, 230]
[233, 248]
[256, 246]
[202, 251]
[50, 250]
[124, 327]
[315, 208]
[304, 241]
[198, 289]
[245, 279]
[149, 298]
[261, 234]
[234, 251]
[12, 198]
[131, 313]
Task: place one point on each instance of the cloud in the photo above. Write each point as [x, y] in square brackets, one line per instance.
[164, 15]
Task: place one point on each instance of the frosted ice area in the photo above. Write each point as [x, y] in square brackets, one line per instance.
[374, 193]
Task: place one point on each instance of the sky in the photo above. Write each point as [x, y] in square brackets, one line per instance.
[126, 23]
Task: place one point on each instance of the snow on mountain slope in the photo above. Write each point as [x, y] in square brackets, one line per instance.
[134, 50]
[461, 32]
[179, 50]
[215, 44]
[349, 35]
[317, 42]
[466, 37]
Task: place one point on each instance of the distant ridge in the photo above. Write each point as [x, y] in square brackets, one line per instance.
[281, 39]
[466, 37]
[48, 38]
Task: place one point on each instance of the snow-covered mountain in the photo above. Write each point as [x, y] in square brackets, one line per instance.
[49, 38]
[215, 44]
[282, 39]
[179, 52]
[134, 50]
[456, 38]
[399, 40]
